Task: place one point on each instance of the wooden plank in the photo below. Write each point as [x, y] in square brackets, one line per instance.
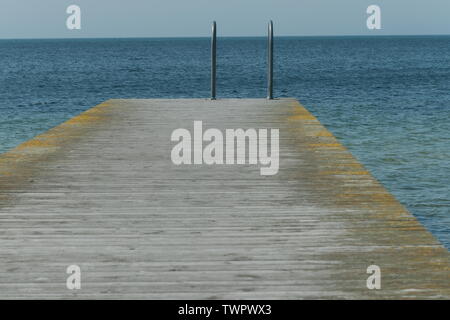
[100, 191]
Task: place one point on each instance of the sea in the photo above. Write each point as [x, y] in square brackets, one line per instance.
[386, 98]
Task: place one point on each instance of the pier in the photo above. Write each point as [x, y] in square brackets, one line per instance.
[101, 191]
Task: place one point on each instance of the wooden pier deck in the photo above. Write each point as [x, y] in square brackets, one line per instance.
[100, 191]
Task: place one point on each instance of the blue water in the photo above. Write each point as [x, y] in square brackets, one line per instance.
[386, 98]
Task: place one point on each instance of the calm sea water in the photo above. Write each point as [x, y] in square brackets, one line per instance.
[386, 98]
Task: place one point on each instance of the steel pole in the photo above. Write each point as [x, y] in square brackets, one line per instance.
[213, 61]
[270, 61]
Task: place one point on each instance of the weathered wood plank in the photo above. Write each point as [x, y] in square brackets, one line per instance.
[101, 191]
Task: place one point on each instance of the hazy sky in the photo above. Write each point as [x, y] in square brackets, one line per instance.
[172, 18]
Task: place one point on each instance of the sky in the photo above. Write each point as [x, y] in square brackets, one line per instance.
[192, 18]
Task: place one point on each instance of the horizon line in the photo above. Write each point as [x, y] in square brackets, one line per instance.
[259, 36]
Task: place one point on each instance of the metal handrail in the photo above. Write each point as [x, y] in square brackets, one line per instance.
[270, 61]
[213, 60]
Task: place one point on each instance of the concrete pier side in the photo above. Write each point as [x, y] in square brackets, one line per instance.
[101, 191]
